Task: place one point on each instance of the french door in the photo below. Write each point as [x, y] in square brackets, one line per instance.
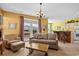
[30, 27]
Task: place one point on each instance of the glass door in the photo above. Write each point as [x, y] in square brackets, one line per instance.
[76, 33]
[49, 27]
[30, 27]
[26, 31]
[35, 28]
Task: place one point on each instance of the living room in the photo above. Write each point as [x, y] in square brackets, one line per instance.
[56, 35]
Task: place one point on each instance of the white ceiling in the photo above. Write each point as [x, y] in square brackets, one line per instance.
[56, 11]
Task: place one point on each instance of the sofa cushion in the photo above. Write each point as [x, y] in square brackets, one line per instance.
[13, 41]
[51, 36]
[40, 36]
[45, 36]
[11, 37]
[44, 41]
[35, 35]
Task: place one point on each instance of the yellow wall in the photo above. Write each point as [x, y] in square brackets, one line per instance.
[71, 25]
[9, 18]
[62, 25]
[0, 12]
[43, 23]
[54, 25]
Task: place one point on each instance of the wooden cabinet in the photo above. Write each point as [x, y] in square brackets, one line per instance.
[64, 36]
[68, 36]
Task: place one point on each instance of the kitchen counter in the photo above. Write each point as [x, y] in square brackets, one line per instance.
[64, 36]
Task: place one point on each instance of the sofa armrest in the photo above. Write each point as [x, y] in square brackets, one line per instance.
[1, 39]
[5, 41]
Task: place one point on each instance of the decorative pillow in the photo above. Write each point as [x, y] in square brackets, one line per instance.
[35, 35]
[40, 36]
[45, 36]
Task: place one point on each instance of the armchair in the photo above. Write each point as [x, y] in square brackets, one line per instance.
[12, 41]
[10, 38]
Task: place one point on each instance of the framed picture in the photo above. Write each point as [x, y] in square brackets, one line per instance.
[12, 26]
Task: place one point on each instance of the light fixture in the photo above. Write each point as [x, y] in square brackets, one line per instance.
[40, 13]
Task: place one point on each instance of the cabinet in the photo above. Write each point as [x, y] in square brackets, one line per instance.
[64, 36]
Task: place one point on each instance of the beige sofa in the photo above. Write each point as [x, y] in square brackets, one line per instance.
[13, 38]
[50, 38]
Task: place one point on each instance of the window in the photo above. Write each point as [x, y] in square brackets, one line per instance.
[58, 28]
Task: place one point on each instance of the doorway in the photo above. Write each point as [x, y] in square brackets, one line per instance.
[30, 28]
[50, 28]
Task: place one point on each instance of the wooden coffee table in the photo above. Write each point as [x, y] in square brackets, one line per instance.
[37, 46]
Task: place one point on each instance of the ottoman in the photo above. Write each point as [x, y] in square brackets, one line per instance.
[17, 45]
